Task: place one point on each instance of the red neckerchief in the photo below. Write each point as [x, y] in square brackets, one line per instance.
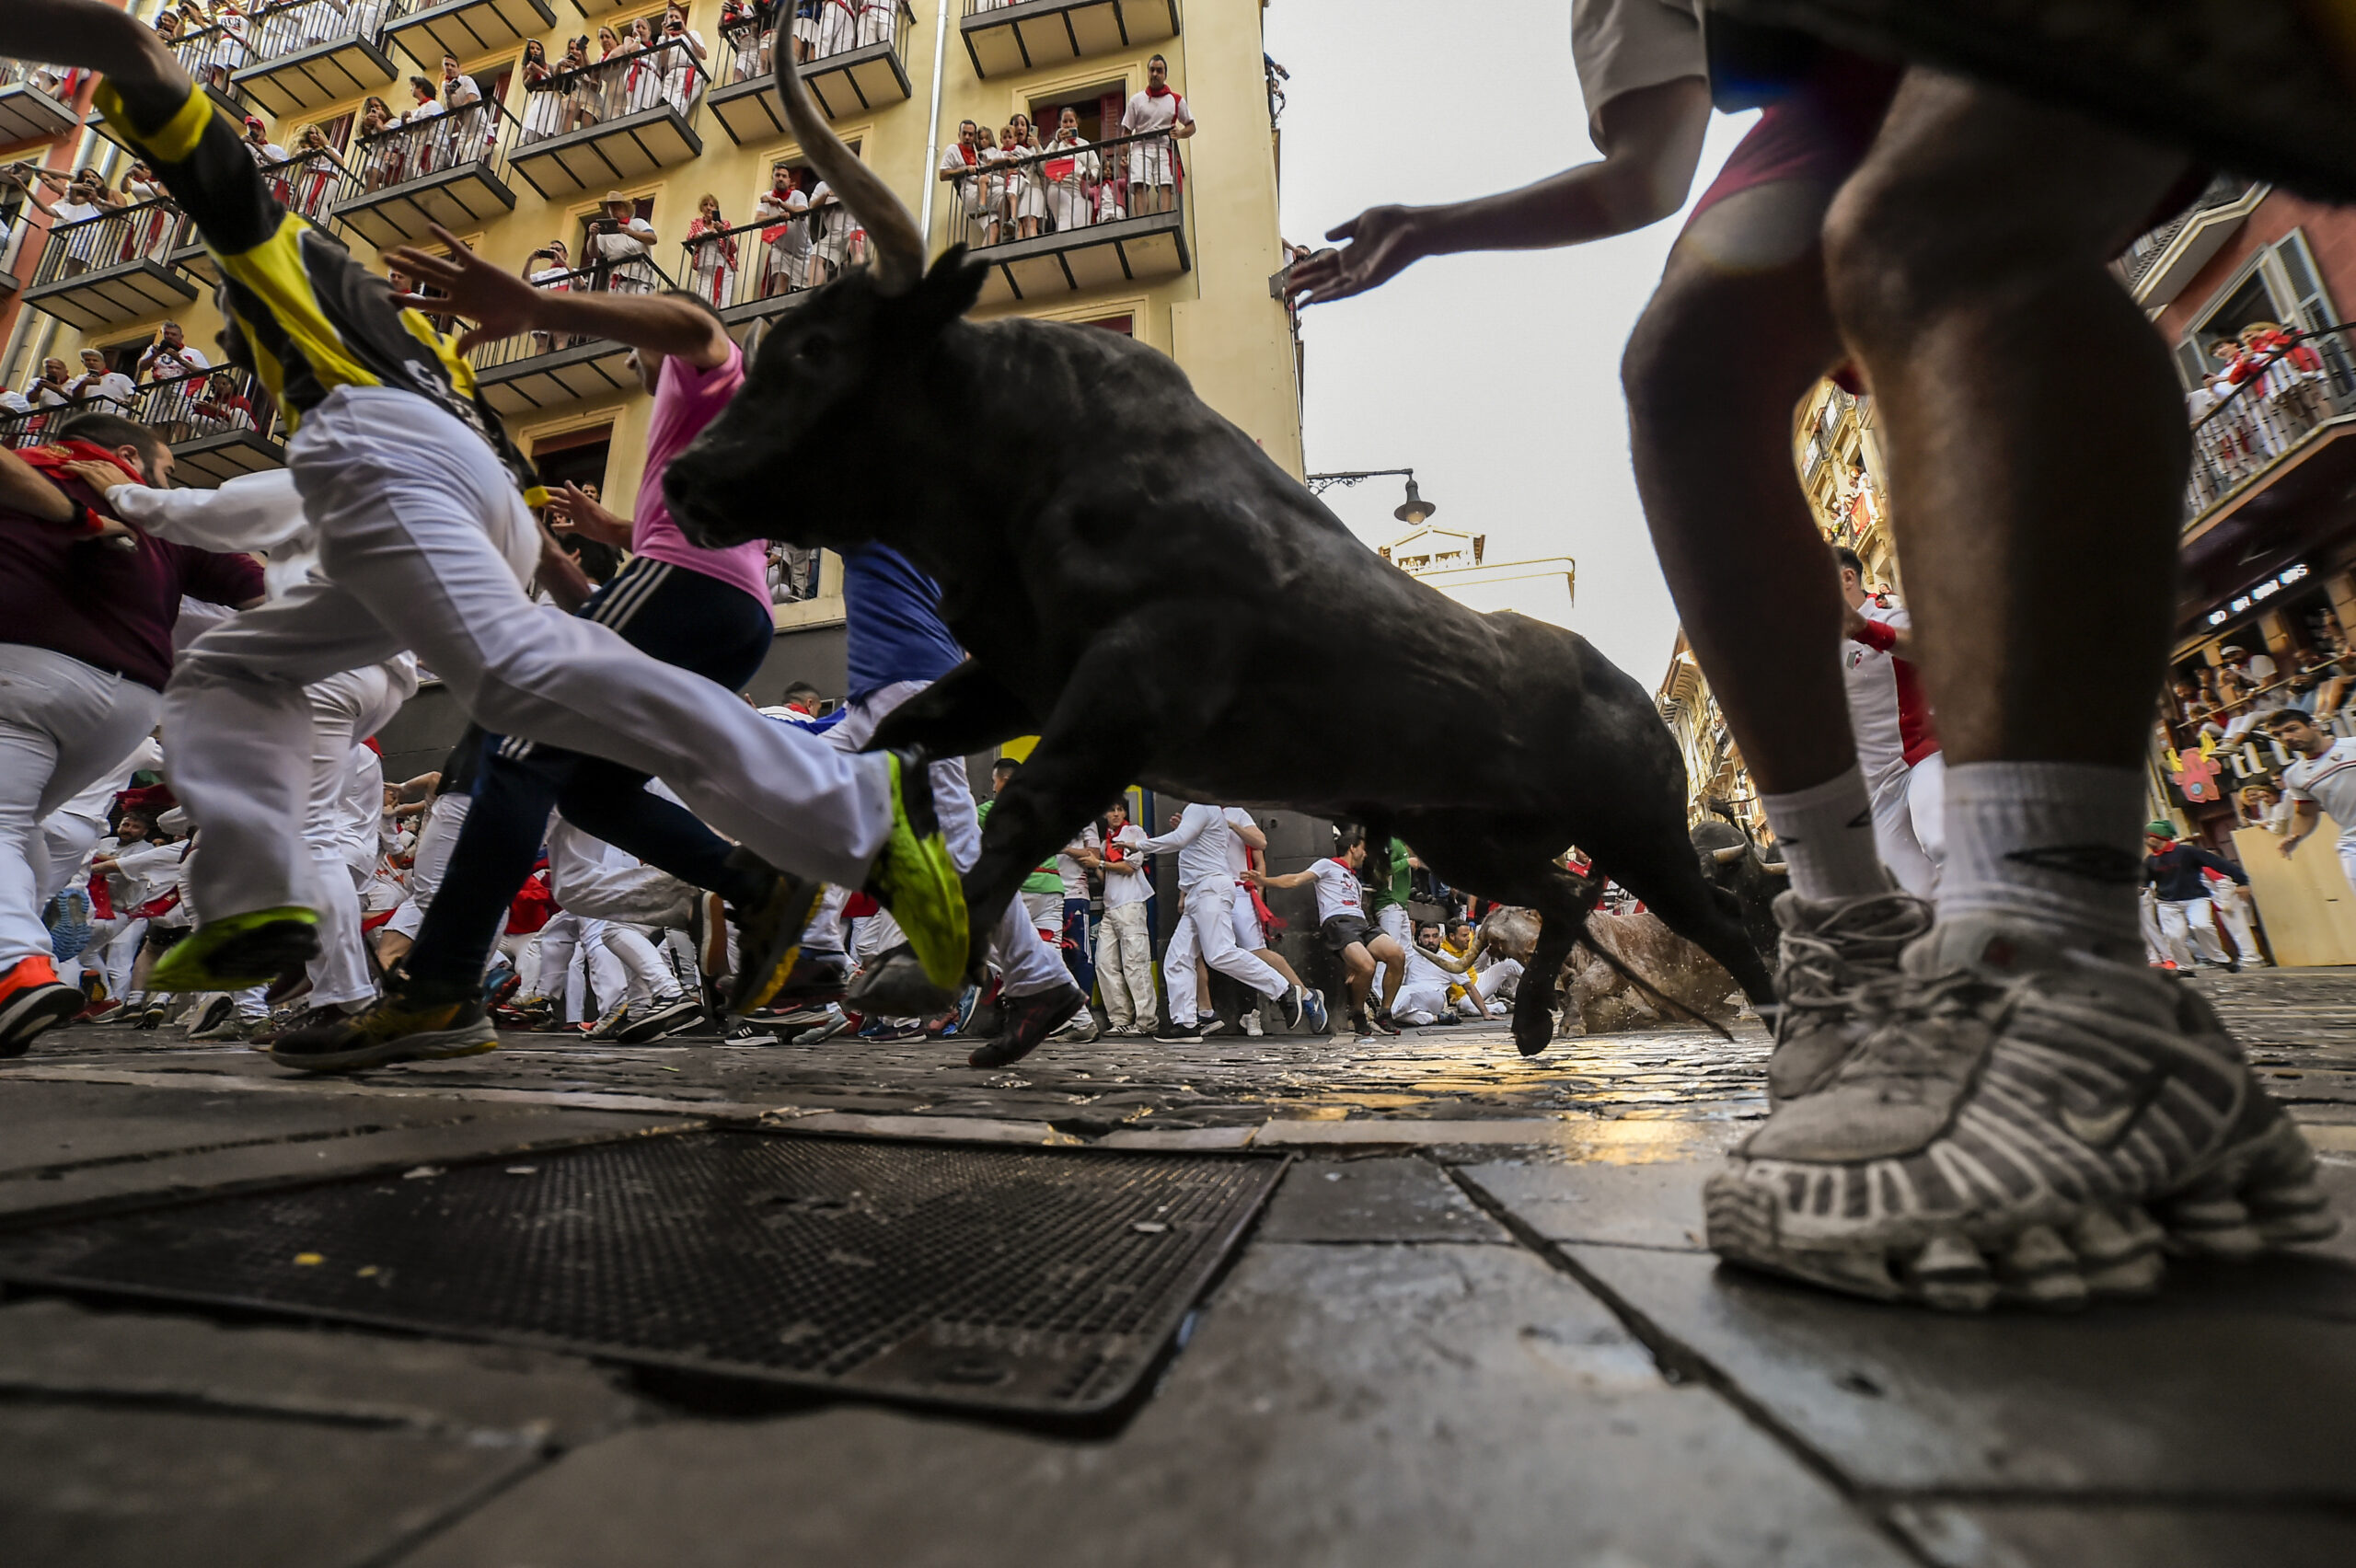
[49, 459]
[1162, 89]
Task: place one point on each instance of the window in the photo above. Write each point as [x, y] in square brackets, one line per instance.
[2278, 284]
[1098, 110]
[1124, 324]
[578, 457]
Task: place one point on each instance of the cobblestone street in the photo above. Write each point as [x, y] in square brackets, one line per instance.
[1475, 1325]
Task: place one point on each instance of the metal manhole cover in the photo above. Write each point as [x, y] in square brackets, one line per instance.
[1044, 1280]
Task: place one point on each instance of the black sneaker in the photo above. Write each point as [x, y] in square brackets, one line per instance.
[1292, 1005]
[409, 1022]
[1180, 1035]
[1382, 1025]
[769, 934]
[818, 976]
[662, 1019]
[1028, 1020]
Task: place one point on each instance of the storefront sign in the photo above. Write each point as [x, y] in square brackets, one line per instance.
[2250, 600]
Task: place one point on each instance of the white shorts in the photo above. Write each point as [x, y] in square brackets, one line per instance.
[1248, 933]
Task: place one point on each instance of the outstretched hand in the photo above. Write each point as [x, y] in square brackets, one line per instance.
[1381, 244]
[499, 302]
[572, 511]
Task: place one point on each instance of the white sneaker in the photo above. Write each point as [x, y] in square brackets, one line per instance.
[1832, 950]
[2023, 1122]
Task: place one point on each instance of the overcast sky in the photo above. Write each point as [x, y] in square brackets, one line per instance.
[1495, 377]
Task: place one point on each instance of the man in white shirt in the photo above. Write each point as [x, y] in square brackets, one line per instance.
[1153, 167]
[1889, 718]
[1206, 926]
[1124, 939]
[171, 356]
[2321, 782]
[1432, 973]
[98, 381]
[621, 247]
[265, 153]
[1346, 932]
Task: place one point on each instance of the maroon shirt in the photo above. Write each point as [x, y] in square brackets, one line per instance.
[110, 607]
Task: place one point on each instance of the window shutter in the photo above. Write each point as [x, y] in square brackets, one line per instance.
[1108, 110]
[2311, 305]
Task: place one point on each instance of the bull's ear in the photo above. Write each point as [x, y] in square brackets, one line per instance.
[950, 289]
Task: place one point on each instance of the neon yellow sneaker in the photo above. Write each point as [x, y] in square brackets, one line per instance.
[915, 879]
[238, 950]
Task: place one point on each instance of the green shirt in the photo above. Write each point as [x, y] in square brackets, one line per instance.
[1403, 882]
[1047, 879]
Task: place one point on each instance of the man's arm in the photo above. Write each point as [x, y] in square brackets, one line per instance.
[22, 488]
[1248, 831]
[1651, 141]
[1191, 823]
[2305, 818]
[561, 575]
[1291, 879]
[132, 55]
[252, 512]
[1898, 641]
[2217, 862]
[502, 305]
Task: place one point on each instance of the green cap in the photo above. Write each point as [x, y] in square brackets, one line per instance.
[2160, 827]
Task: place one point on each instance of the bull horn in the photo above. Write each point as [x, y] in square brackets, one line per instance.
[1728, 856]
[891, 234]
[1773, 867]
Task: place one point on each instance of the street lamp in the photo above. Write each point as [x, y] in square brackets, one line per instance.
[1412, 510]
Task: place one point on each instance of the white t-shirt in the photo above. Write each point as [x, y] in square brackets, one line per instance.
[1620, 46]
[634, 239]
[2329, 782]
[1873, 697]
[112, 384]
[1120, 888]
[461, 93]
[163, 363]
[1238, 854]
[1200, 839]
[1147, 113]
[1337, 890]
[1074, 875]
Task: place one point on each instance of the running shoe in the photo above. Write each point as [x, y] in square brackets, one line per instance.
[239, 951]
[662, 1019]
[1293, 1005]
[1251, 1024]
[1028, 1020]
[33, 1000]
[768, 932]
[895, 985]
[1080, 1028]
[409, 1022]
[1384, 1023]
[232, 1025]
[1832, 950]
[835, 1022]
[818, 976]
[1319, 1018]
[218, 1010]
[2019, 1122]
[610, 1022]
[740, 1032]
[915, 879]
[1179, 1035]
[502, 982]
[707, 927]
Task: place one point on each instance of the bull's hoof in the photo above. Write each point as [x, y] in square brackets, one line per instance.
[1533, 1033]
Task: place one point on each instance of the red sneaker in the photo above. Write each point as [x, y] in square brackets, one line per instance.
[32, 1000]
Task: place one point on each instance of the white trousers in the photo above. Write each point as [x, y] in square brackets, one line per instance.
[1124, 966]
[1926, 801]
[2188, 925]
[430, 864]
[2233, 912]
[346, 708]
[1894, 835]
[1419, 1003]
[62, 724]
[648, 973]
[1501, 975]
[425, 544]
[1027, 964]
[1206, 926]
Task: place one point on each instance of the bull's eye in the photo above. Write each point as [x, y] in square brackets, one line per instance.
[814, 349]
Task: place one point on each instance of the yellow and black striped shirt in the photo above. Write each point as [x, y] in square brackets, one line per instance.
[314, 317]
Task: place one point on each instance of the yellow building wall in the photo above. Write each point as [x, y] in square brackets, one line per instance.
[1217, 320]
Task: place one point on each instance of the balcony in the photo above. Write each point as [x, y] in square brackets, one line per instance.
[535, 371]
[857, 63]
[1003, 37]
[451, 170]
[219, 423]
[114, 268]
[2156, 266]
[610, 123]
[746, 276]
[36, 102]
[1057, 223]
[211, 56]
[311, 53]
[2271, 459]
[465, 29]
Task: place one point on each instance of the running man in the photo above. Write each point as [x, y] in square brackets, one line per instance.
[2321, 782]
[1206, 926]
[1347, 933]
[423, 509]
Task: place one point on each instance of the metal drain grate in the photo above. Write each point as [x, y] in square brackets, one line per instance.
[1043, 1280]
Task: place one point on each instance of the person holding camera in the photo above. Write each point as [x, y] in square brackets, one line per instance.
[621, 249]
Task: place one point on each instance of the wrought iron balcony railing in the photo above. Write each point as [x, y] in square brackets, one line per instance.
[200, 416]
[668, 75]
[853, 55]
[537, 370]
[2277, 402]
[450, 168]
[1065, 191]
[757, 268]
[306, 54]
[1008, 36]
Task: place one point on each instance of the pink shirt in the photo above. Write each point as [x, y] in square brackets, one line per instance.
[687, 400]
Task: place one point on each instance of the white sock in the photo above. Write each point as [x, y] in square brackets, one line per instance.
[1827, 837]
[2056, 845]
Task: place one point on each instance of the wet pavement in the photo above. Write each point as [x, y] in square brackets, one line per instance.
[1475, 1325]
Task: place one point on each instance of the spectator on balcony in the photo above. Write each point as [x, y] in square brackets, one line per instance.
[682, 60]
[837, 27]
[1162, 115]
[259, 146]
[830, 235]
[641, 79]
[223, 407]
[621, 248]
[748, 35]
[543, 96]
[423, 148]
[711, 250]
[785, 233]
[1026, 194]
[100, 380]
[314, 181]
[462, 139]
[384, 160]
[995, 184]
[171, 356]
[1067, 171]
[49, 389]
[961, 168]
[878, 20]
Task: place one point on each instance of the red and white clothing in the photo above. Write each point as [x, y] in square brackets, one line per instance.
[2328, 782]
[1206, 919]
[1155, 162]
[1338, 891]
[1897, 749]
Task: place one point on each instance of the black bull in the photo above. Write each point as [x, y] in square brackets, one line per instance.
[1139, 586]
